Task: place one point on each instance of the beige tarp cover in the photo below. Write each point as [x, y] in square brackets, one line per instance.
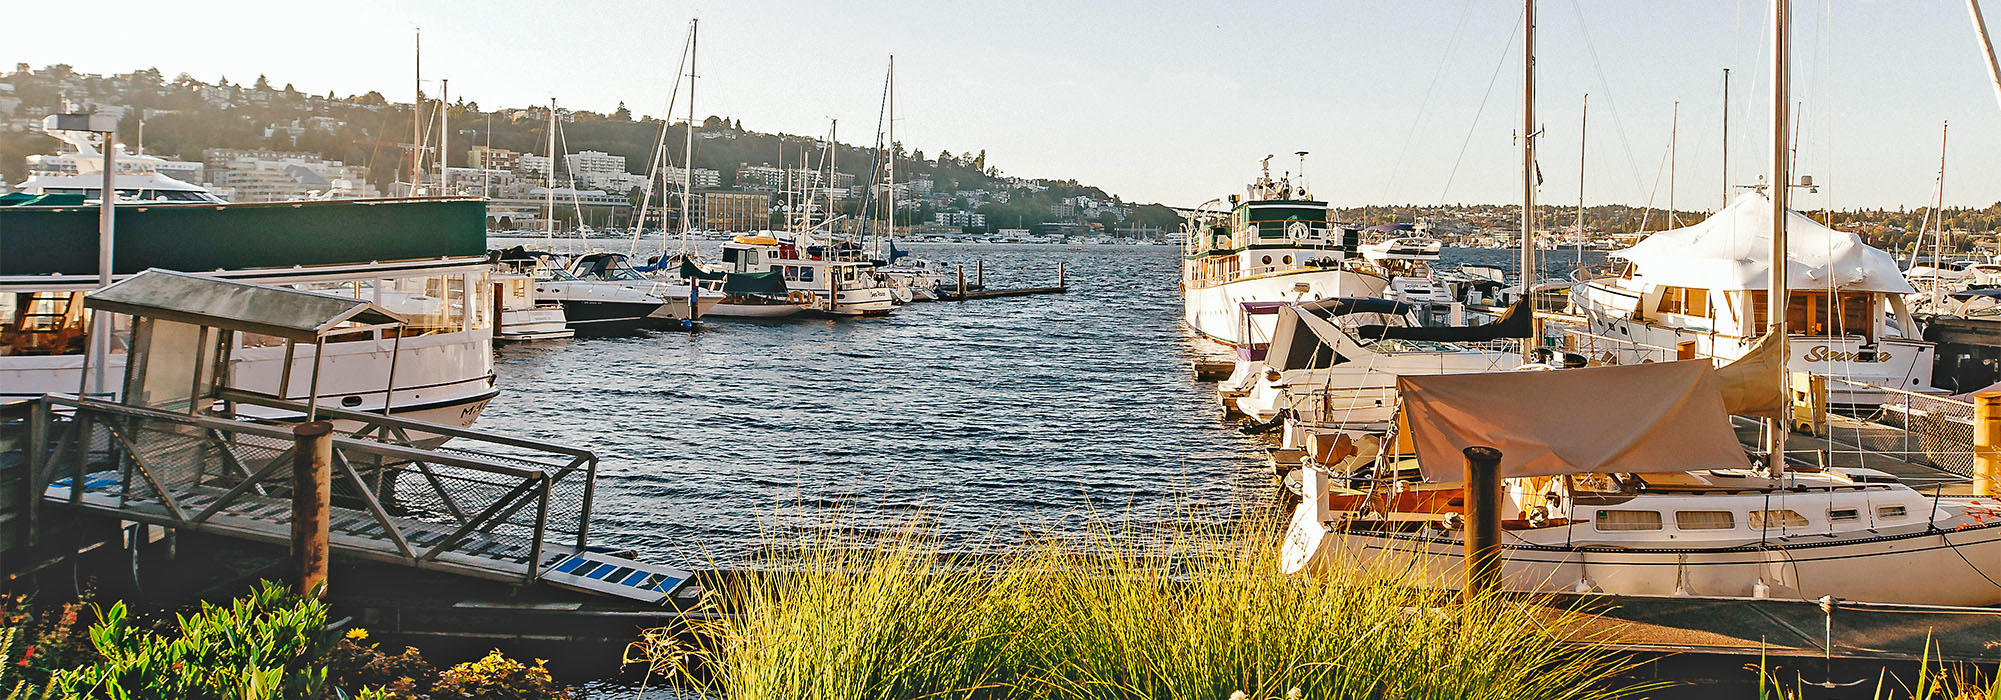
[1751, 383]
[1632, 418]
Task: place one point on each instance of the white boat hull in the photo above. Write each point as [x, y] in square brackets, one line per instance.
[1873, 570]
[1217, 312]
[442, 378]
[729, 310]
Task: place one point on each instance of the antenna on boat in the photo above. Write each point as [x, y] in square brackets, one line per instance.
[1777, 295]
[1302, 174]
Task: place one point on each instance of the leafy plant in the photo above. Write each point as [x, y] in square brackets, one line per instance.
[356, 664]
[261, 647]
[496, 677]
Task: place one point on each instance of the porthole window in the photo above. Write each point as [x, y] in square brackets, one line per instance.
[1267, 260]
[1288, 260]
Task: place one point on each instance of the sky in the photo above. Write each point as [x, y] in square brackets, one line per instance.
[1409, 102]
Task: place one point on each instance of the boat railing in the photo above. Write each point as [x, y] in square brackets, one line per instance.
[492, 506]
[1930, 429]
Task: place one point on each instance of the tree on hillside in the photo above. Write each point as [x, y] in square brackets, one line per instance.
[621, 114]
[980, 161]
[263, 83]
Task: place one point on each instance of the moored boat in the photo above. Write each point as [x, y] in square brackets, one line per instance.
[1271, 246]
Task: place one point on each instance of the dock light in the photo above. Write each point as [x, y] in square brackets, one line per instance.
[100, 332]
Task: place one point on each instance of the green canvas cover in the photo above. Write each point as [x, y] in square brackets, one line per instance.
[689, 270]
[772, 283]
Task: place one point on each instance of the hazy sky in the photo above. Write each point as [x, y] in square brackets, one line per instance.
[1169, 101]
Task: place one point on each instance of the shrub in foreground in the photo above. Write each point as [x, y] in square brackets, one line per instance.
[1198, 612]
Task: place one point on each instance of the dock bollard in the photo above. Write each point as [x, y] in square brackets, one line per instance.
[1483, 520]
[312, 459]
[1987, 444]
[980, 273]
[1059, 276]
[962, 283]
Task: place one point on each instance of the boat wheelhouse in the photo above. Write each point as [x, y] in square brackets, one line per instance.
[424, 260]
[1699, 291]
[1273, 244]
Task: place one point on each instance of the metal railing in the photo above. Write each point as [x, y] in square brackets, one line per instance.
[488, 505]
[1929, 429]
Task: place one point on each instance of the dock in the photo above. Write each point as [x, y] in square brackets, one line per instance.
[978, 289]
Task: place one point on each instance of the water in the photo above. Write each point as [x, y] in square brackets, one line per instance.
[988, 416]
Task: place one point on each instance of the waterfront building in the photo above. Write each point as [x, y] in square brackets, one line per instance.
[493, 158]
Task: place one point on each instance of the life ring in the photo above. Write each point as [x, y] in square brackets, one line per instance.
[798, 297]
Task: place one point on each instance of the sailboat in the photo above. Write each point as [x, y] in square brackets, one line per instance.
[1645, 489]
[601, 292]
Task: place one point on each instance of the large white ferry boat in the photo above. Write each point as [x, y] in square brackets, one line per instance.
[424, 260]
[1246, 257]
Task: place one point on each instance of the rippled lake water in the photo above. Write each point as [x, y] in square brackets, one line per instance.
[987, 415]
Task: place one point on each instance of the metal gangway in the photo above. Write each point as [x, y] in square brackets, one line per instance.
[175, 445]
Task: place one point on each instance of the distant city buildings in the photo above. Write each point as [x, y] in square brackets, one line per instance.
[726, 210]
[278, 176]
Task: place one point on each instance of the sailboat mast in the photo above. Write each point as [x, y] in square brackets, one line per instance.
[890, 230]
[1583, 121]
[688, 144]
[1674, 141]
[416, 109]
[444, 129]
[1726, 138]
[1528, 264]
[833, 156]
[1778, 296]
[549, 206]
[1938, 219]
[1986, 46]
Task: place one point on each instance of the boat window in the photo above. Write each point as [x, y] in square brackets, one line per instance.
[1891, 512]
[1822, 314]
[1287, 260]
[1617, 520]
[1267, 260]
[1844, 515]
[1761, 519]
[1684, 300]
[806, 274]
[1705, 520]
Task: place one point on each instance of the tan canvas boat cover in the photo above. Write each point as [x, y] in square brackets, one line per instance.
[1751, 383]
[1630, 418]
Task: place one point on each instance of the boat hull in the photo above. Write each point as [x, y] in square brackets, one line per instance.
[1217, 312]
[598, 318]
[1873, 569]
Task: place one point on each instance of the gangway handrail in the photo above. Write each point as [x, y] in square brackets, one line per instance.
[503, 486]
[270, 401]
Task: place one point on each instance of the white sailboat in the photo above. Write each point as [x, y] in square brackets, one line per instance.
[1644, 489]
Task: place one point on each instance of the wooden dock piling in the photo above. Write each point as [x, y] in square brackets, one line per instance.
[312, 459]
[1483, 521]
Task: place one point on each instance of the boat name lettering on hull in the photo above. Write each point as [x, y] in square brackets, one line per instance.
[1820, 353]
